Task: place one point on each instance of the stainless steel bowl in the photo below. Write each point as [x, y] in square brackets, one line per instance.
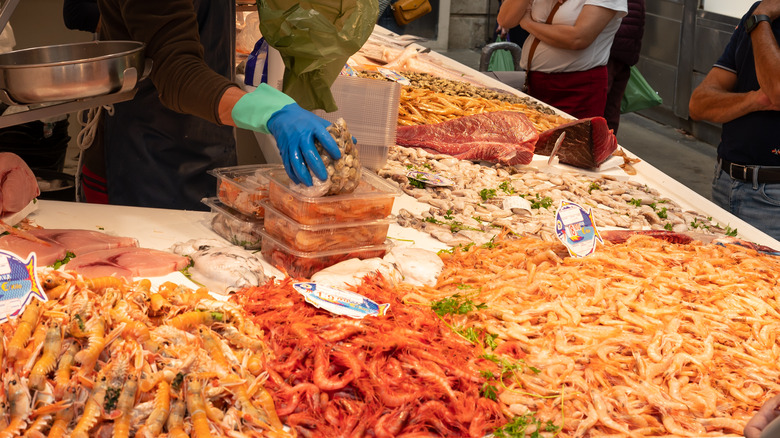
[69, 71]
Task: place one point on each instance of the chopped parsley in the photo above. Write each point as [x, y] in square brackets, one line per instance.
[64, 261]
[486, 194]
[456, 305]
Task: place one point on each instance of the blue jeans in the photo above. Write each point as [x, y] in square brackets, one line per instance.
[756, 204]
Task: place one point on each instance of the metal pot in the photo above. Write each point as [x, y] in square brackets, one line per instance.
[69, 71]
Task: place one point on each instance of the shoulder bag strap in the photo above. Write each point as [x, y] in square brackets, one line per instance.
[535, 43]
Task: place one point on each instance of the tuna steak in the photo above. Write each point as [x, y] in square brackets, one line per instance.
[588, 142]
[505, 137]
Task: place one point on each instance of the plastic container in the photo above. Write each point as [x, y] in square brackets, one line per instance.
[243, 187]
[303, 264]
[324, 237]
[373, 199]
[370, 108]
[237, 228]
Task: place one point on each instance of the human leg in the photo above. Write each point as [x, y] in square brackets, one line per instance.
[618, 74]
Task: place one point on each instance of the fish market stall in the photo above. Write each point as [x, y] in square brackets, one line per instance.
[502, 332]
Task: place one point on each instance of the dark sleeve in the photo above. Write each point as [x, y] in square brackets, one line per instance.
[169, 28]
[728, 60]
[81, 15]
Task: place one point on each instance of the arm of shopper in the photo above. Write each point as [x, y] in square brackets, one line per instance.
[511, 12]
[766, 51]
[590, 23]
[714, 100]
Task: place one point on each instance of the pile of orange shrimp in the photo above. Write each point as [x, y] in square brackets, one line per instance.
[402, 374]
[643, 338]
[104, 357]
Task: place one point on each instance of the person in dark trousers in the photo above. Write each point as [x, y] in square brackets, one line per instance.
[742, 92]
[160, 145]
[624, 53]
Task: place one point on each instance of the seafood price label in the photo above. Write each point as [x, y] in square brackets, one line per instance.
[340, 302]
[18, 284]
[431, 179]
[394, 76]
[576, 229]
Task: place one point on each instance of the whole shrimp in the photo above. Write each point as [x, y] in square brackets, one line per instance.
[95, 344]
[19, 409]
[124, 406]
[92, 409]
[175, 422]
[197, 408]
[189, 320]
[45, 408]
[48, 360]
[63, 418]
[24, 329]
[162, 408]
[63, 373]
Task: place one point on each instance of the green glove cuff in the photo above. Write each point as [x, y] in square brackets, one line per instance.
[254, 109]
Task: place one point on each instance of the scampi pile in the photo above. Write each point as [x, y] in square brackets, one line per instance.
[401, 374]
[473, 209]
[104, 357]
[643, 338]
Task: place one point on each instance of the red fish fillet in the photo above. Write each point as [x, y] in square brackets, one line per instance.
[505, 137]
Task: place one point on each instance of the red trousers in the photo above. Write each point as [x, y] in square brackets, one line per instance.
[582, 94]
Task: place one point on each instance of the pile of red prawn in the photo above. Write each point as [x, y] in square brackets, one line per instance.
[402, 374]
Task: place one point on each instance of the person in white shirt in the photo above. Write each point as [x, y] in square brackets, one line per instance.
[566, 59]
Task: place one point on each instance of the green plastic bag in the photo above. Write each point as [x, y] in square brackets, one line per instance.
[639, 94]
[315, 39]
[501, 60]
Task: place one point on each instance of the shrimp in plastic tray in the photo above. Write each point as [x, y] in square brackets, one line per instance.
[343, 174]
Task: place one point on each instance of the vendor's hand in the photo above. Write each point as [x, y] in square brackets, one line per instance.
[763, 417]
[501, 31]
[295, 130]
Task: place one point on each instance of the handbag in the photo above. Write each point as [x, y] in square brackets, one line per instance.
[639, 94]
[406, 11]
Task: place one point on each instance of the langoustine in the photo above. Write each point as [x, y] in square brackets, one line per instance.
[91, 359]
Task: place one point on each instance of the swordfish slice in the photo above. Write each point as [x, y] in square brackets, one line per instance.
[60, 241]
[127, 263]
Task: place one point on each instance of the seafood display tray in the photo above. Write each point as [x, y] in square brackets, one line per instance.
[237, 228]
[243, 187]
[373, 199]
[324, 237]
[302, 264]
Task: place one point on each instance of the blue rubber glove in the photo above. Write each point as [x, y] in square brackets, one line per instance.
[295, 130]
[268, 110]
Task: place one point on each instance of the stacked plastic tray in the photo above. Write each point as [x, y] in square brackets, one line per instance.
[238, 210]
[304, 235]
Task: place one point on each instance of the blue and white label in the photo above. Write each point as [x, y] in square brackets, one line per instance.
[18, 284]
[394, 76]
[576, 229]
[339, 302]
[431, 179]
